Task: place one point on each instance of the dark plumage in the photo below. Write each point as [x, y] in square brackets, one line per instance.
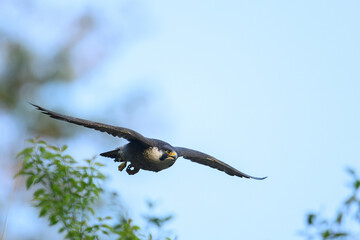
[146, 153]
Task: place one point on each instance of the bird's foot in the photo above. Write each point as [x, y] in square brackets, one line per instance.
[131, 170]
[122, 166]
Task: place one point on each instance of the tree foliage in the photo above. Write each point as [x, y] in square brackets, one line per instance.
[66, 191]
[346, 222]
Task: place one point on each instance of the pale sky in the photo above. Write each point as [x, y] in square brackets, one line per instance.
[271, 88]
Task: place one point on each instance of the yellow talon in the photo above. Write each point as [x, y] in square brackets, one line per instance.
[122, 166]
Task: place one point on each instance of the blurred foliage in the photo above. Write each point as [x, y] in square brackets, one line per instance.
[27, 70]
[346, 222]
[66, 191]
[22, 70]
[156, 223]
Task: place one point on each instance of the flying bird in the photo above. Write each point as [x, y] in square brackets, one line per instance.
[146, 153]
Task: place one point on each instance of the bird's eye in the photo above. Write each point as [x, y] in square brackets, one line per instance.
[168, 151]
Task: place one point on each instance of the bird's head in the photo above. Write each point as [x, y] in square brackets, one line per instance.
[169, 153]
[162, 151]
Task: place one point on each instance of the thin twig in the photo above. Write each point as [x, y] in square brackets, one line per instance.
[11, 200]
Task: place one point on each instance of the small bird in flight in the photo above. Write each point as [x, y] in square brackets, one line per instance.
[146, 153]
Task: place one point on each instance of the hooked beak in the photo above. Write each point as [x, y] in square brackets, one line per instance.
[173, 155]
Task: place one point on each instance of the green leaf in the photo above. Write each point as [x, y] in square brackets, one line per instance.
[68, 157]
[99, 164]
[339, 217]
[26, 151]
[53, 220]
[350, 200]
[82, 185]
[340, 234]
[67, 199]
[41, 142]
[91, 210]
[63, 148]
[311, 218]
[26, 163]
[39, 192]
[325, 234]
[158, 221]
[96, 192]
[107, 227]
[54, 148]
[42, 150]
[48, 155]
[29, 181]
[43, 211]
[136, 228]
[357, 184]
[56, 188]
[31, 141]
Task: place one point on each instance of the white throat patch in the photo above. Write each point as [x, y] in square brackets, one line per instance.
[154, 153]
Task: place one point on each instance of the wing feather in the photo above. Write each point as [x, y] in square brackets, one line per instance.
[121, 132]
[210, 161]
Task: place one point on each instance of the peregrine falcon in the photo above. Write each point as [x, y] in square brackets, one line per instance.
[146, 153]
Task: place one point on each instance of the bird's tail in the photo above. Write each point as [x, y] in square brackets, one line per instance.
[111, 154]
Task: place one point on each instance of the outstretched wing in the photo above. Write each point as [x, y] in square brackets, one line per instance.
[210, 161]
[126, 133]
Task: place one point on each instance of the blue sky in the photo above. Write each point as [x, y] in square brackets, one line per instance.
[271, 88]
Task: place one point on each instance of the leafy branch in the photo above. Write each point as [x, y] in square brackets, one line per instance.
[346, 223]
[66, 192]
